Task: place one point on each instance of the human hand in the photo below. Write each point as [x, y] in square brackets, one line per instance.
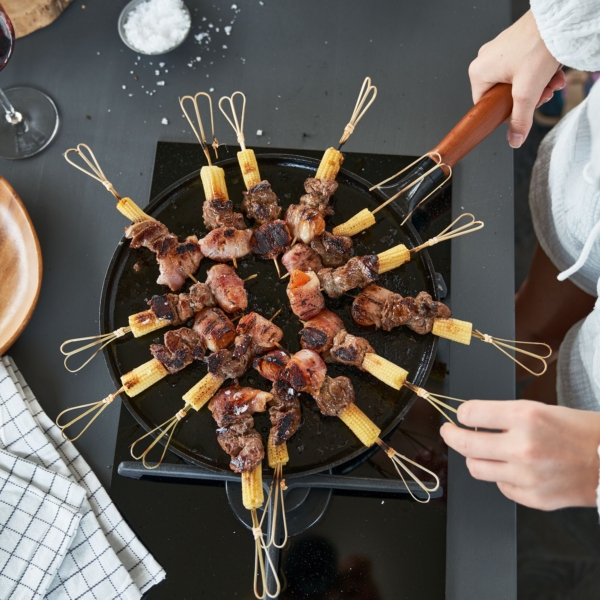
[544, 457]
[518, 56]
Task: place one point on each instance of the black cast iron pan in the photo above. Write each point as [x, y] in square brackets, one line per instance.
[321, 442]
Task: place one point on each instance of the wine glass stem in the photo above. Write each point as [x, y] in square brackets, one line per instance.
[12, 116]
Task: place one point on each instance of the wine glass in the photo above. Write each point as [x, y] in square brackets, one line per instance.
[30, 118]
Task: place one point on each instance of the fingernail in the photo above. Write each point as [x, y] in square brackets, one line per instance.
[442, 429]
[515, 140]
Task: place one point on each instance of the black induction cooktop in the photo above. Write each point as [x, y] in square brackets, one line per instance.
[367, 545]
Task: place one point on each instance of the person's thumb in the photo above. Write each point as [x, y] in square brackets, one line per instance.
[521, 119]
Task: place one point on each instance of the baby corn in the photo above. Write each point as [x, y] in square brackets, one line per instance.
[330, 165]
[129, 209]
[252, 490]
[359, 222]
[384, 370]
[142, 377]
[203, 391]
[145, 322]
[362, 427]
[213, 182]
[277, 455]
[392, 258]
[453, 329]
[249, 167]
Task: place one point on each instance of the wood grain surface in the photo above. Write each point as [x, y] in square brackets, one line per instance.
[20, 266]
[29, 15]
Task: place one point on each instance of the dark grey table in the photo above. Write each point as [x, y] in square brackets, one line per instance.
[300, 64]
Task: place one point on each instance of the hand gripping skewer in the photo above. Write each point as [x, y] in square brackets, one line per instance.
[126, 206]
[493, 109]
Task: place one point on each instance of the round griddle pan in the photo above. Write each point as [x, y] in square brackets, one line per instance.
[321, 442]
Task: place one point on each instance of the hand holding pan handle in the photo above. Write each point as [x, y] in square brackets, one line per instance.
[430, 172]
[491, 111]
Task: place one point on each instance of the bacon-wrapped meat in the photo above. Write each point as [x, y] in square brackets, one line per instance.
[359, 271]
[226, 243]
[261, 204]
[334, 396]
[270, 239]
[349, 349]
[368, 306]
[219, 213]
[306, 299]
[214, 328]
[181, 347]
[232, 408]
[227, 288]
[178, 308]
[271, 365]
[318, 333]
[176, 260]
[334, 250]
[380, 307]
[305, 223]
[284, 412]
[318, 193]
[305, 372]
[256, 334]
[302, 258]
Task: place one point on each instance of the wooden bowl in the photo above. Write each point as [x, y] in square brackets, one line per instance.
[20, 266]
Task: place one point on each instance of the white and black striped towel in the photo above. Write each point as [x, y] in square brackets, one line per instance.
[60, 534]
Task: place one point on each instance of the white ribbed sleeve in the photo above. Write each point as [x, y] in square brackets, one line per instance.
[571, 31]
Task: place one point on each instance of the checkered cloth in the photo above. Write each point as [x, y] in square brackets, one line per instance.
[60, 534]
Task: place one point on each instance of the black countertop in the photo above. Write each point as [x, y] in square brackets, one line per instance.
[300, 65]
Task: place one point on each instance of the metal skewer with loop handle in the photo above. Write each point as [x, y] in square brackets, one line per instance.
[423, 177]
[126, 206]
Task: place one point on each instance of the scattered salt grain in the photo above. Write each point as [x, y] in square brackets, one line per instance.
[233, 6]
[160, 83]
[165, 121]
[211, 25]
[259, 132]
[130, 95]
[227, 29]
[161, 65]
[124, 87]
[224, 47]
[198, 58]
[211, 90]
[203, 36]
[261, 3]
[156, 26]
[157, 72]
[217, 29]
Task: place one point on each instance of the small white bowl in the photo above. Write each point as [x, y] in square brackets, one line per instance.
[121, 26]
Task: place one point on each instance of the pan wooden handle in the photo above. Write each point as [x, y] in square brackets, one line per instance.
[493, 109]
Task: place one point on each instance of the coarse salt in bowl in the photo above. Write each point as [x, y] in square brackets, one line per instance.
[154, 26]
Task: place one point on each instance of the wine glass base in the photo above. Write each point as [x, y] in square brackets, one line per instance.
[37, 128]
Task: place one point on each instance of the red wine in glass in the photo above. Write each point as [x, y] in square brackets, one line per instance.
[30, 117]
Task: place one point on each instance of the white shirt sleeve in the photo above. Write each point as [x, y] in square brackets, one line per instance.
[598, 489]
[570, 30]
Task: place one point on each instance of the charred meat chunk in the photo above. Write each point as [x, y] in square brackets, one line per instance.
[225, 364]
[334, 250]
[305, 223]
[284, 412]
[334, 396]
[232, 408]
[305, 371]
[303, 291]
[263, 335]
[219, 213]
[349, 349]
[145, 233]
[368, 306]
[417, 313]
[227, 288]
[359, 271]
[270, 239]
[175, 308]
[214, 328]
[181, 347]
[261, 204]
[226, 243]
[271, 365]
[177, 261]
[319, 332]
[200, 297]
[302, 258]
